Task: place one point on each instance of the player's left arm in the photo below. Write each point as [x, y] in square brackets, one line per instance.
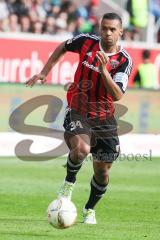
[116, 87]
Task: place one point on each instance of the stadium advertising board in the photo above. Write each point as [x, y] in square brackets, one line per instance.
[143, 115]
[22, 58]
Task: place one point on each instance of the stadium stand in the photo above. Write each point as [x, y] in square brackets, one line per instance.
[51, 17]
[59, 17]
[150, 8]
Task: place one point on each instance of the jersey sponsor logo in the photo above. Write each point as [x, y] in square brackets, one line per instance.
[114, 64]
[96, 69]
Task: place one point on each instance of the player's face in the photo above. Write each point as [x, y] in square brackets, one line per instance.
[111, 31]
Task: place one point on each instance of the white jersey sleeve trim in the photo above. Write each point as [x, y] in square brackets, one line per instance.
[121, 78]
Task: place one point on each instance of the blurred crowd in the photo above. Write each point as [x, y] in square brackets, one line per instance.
[69, 17]
[48, 16]
[144, 14]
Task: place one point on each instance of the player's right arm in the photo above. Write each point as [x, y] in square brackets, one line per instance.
[72, 45]
[53, 59]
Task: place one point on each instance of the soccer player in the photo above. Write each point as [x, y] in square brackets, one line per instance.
[90, 127]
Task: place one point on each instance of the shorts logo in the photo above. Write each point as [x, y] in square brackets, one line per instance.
[76, 124]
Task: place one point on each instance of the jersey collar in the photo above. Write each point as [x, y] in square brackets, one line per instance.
[110, 54]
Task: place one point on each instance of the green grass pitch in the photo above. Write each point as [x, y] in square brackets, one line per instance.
[129, 211]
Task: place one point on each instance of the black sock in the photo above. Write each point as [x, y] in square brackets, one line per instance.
[97, 192]
[72, 170]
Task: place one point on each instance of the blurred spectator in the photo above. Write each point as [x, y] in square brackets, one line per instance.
[40, 10]
[82, 12]
[138, 11]
[155, 11]
[128, 34]
[4, 11]
[19, 7]
[69, 8]
[155, 8]
[13, 25]
[71, 27]
[146, 76]
[1, 26]
[25, 24]
[37, 27]
[83, 26]
[48, 16]
[61, 23]
[55, 10]
[158, 36]
[56, 2]
[50, 27]
[33, 16]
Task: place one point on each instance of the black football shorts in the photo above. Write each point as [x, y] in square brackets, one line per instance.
[104, 140]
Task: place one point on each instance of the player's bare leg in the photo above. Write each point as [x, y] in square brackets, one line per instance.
[79, 146]
[99, 184]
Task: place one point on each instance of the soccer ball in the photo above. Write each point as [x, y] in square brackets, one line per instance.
[62, 213]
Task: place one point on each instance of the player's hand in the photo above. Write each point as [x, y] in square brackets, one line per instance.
[30, 82]
[103, 60]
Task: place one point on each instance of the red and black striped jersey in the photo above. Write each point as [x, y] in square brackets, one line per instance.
[88, 94]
